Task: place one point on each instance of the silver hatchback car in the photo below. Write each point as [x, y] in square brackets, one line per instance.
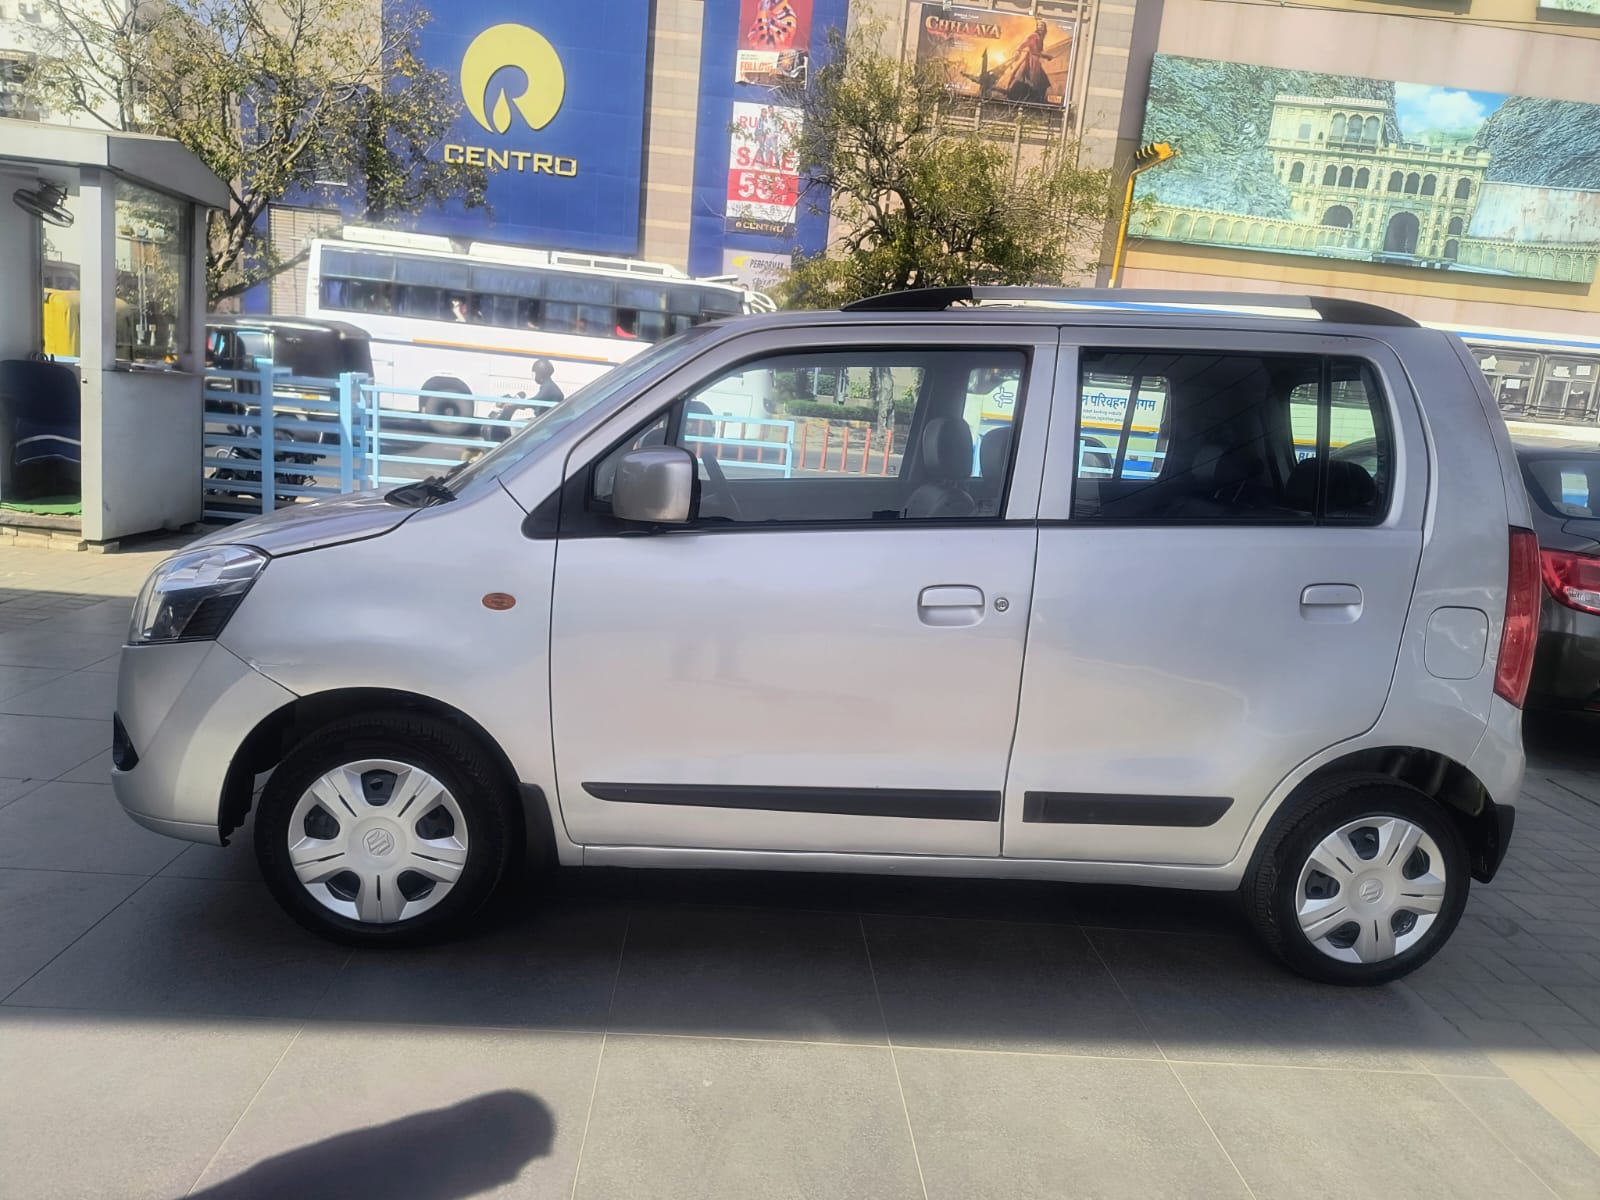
[1106, 603]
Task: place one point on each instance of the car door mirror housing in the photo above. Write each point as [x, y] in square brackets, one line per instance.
[654, 486]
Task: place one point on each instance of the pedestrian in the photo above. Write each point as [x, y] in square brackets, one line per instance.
[548, 394]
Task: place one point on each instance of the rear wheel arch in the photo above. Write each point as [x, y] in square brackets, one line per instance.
[271, 740]
[1437, 776]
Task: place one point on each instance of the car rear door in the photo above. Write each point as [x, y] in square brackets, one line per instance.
[1219, 594]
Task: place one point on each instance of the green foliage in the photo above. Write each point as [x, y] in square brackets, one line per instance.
[828, 410]
[920, 203]
[321, 99]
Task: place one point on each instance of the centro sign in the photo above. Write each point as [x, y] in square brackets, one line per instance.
[544, 88]
[550, 108]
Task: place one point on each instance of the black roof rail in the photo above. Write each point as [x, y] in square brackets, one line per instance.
[937, 299]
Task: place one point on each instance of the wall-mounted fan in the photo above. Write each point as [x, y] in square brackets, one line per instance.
[47, 201]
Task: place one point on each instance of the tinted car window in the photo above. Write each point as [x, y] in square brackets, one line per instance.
[1230, 438]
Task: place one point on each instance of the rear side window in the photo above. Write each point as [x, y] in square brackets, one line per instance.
[1230, 439]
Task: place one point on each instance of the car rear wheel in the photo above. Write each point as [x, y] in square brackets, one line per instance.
[391, 829]
[1363, 885]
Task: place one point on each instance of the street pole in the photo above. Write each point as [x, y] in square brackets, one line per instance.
[1151, 155]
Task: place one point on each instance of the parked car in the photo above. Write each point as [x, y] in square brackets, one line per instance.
[308, 349]
[1564, 483]
[609, 642]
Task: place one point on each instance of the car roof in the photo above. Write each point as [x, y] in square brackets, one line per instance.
[1102, 308]
[249, 321]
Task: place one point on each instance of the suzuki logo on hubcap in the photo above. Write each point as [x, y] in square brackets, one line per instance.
[1371, 890]
[379, 842]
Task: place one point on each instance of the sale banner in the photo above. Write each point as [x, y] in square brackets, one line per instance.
[763, 170]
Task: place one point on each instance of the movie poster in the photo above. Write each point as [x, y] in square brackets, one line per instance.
[774, 42]
[1372, 170]
[1005, 56]
[763, 170]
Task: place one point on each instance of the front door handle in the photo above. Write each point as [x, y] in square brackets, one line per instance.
[950, 604]
[1331, 602]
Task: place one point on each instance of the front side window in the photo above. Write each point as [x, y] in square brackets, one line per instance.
[797, 438]
[1199, 438]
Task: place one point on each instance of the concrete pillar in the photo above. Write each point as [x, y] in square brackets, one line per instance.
[20, 333]
[97, 320]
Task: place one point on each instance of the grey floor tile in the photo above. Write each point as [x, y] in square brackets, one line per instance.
[79, 827]
[554, 968]
[45, 911]
[22, 679]
[1017, 1126]
[235, 861]
[706, 1118]
[1000, 986]
[1221, 1000]
[133, 1109]
[96, 770]
[76, 694]
[747, 972]
[1546, 1147]
[191, 946]
[45, 747]
[383, 1111]
[1353, 1134]
[68, 649]
[107, 665]
[15, 789]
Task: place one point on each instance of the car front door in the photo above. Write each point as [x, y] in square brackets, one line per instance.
[827, 658]
[1220, 594]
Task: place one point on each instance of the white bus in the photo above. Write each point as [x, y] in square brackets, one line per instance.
[471, 322]
[1547, 387]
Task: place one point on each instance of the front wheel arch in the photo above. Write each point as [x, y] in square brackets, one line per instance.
[275, 735]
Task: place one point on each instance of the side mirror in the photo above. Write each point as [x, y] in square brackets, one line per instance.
[654, 486]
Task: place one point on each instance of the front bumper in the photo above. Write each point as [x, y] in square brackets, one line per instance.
[185, 710]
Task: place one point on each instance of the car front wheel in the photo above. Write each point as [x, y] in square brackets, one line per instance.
[389, 829]
[1363, 885]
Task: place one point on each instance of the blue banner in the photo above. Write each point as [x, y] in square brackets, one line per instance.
[554, 99]
[742, 46]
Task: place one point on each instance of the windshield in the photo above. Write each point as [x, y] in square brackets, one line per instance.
[587, 398]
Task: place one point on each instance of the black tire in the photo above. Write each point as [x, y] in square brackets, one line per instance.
[443, 408]
[1270, 891]
[442, 750]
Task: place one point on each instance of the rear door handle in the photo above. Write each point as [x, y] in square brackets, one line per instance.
[950, 604]
[1331, 602]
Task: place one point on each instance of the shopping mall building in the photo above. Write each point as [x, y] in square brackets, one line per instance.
[1439, 156]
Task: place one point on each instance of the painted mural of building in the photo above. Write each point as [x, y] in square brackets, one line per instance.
[1360, 192]
[1445, 164]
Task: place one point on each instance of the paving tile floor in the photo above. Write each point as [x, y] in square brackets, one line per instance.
[165, 1031]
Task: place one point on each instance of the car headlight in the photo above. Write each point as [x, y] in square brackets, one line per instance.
[190, 597]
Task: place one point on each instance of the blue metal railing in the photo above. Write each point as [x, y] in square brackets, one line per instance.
[271, 439]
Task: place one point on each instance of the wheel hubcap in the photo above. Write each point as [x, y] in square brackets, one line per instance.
[378, 841]
[1370, 890]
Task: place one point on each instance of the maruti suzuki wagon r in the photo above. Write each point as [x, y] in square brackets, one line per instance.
[1196, 591]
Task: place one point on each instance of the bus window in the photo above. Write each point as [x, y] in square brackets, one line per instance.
[580, 289]
[590, 319]
[653, 326]
[1511, 376]
[1567, 391]
[646, 297]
